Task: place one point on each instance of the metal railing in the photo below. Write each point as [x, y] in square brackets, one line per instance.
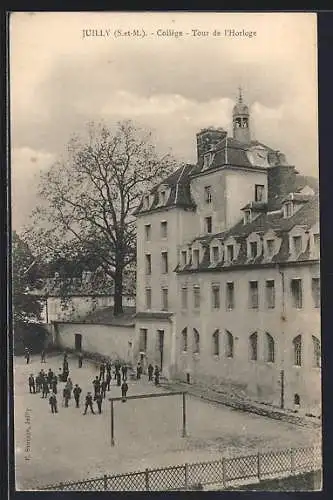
[225, 473]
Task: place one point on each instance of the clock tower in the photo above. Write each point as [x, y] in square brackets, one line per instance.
[241, 121]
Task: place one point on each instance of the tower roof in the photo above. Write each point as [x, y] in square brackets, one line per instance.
[240, 108]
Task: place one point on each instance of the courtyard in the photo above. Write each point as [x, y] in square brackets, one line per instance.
[70, 447]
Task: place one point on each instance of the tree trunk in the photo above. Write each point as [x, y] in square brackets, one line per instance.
[118, 292]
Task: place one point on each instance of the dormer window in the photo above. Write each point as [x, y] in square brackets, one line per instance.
[297, 244]
[288, 209]
[208, 158]
[196, 258]
[215, 255]
[247, 216]
[146, 201]
[162, 197]
[184, 258]
[230, 253]
[270, 246]
[253, 249]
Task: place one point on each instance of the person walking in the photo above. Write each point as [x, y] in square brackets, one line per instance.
[116, 369]
[69, 386]
[150, 372]
[76, 393]
[157, 375]
[27, 355]
[65, 371]
[50, 376]
[99, 401]
[108, 367]
[124, 371]
[89, 404]
[53, 403]
[80, 359]
[108, 380]
[138, 370]
[54, 383]
[66, 396]
[31, 381]
[42, 356]
[118, 379]
[102, 371]
[103, 388]
[124, 389]
[45, 389]
[97, 386]
[38, 383]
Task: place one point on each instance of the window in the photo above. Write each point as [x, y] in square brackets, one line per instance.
[164, 256]
[316, 243]
[230, 253]
[253, 298]
[297, 244]
[316, 351]
[215, 254]
[316, 292]
[164, 229]
[270, 244]
[196, 297]
[207, 160]
[143, 340]
[270, 294]
[254, 346]
[269, 348]
[148, 263]
[196, 258]
[230, 303]
[164, 299]
[208, 194]
[297, 342]
[216, 343]
[288, 210]
[259, 192]
[184, 340]
[147, 232]
[229, 345]
[216, 296]
[146, 201]
[196, 341]
[184, 297]
[183, 258]
[253, 249]
[296, 293]
[162, 197]
[148, 298]
[247, 216]
[208, 224]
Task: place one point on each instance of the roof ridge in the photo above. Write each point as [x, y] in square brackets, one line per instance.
[177, 184]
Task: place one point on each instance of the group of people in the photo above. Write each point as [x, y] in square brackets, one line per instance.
[153, 372]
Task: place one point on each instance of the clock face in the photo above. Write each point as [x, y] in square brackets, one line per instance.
[258, 157]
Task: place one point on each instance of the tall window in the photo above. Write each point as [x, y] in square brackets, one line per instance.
[259, 192]
[216, 343]
[288, 210]
[270, 294]
[254, 346]
[184, 340]
[208, 194]
[146, 201]
[148, 298]
[165, 267]
[196, 341]
[297, 244]
[253, 249]
[196, 296]
[270, 247]
[148, 263]
[316, 351]
[143, 340]
[230, 253]
[216, 296]
[296, 293]
[229, 344]
[316, 242]
[184, 257]
[184, 297]
[215, 254]
[269, 348]
[162, 197]
[164, 229]
[316, 291]
[230, 295]
[297, 343]
[208, 224]
[253, 295]
[247, 216]
[164, 299]
[196, 258]
[147, 232]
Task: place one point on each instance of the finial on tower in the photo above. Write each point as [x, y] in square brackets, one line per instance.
[240, 97]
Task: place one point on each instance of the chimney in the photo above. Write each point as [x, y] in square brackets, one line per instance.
[281, 182]
[207, 138]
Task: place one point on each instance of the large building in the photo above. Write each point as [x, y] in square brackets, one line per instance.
[228, 283]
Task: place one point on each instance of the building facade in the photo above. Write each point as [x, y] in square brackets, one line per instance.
[228, 278]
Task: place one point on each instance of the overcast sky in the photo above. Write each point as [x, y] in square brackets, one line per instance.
[174, 86]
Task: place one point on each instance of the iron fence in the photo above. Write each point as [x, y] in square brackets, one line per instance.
[224, 472]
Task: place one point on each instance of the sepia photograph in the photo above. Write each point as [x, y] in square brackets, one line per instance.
[165, 251]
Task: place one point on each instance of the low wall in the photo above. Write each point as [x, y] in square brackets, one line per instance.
[108, 340]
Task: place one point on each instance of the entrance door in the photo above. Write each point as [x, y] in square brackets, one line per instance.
[160, 340]
[78, 341]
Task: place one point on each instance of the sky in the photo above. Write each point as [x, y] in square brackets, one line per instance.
[60, 80]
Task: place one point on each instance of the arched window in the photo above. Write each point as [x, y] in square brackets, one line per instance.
[316, 351]
[254, 346]
[297, 343]
[196, 341]
[269, 348]
[184, 339]
[229, 345]
[216, 343]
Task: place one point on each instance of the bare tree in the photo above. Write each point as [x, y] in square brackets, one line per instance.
[90, 198]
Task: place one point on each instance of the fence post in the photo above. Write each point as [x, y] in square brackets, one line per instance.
[292, 461]
[105, 482]
[259, 464]
[186, 475]
[223, 472]
[147, 479]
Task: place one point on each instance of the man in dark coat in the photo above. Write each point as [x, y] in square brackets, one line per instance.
[50, 376]
[124, 371]
[53, 403]
[42, 356]
[31, 381]
[65, 371]
[138, 370]
[97, 386]
[80, 359]
[45, 388]
[89, 403]
[116, 369]
[66, 396]
[99, 400]
[103, 388]
[150, 372]
[108, 366]
[118, 379]
[76, 392]
[124, 389]
[27, 354]
[54, 383]
[108, 380]
[38, 383]
[157, 375]
[102, 371]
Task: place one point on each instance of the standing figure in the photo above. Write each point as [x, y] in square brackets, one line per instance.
[150, 372]
[99, 400]
[116, 369]
[53, 403]
[118, 379]
[108, 367]
[42, 356]
[50, 376]
[138, 370]
[65, 371]
[124, 371]
[124, 389]
[76, 392]
[89, 403]
[102, 371]
[38, 383]
[103, 388]
[31, 381]
[108, 380]
[97, 386]
[66, 396]
[157, 375]
[80, 359]
[27, 354]
[45, 388]
[69, 386]
[54, 383]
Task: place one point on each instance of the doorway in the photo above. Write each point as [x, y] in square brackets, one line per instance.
[78, 341]
[160, 343]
